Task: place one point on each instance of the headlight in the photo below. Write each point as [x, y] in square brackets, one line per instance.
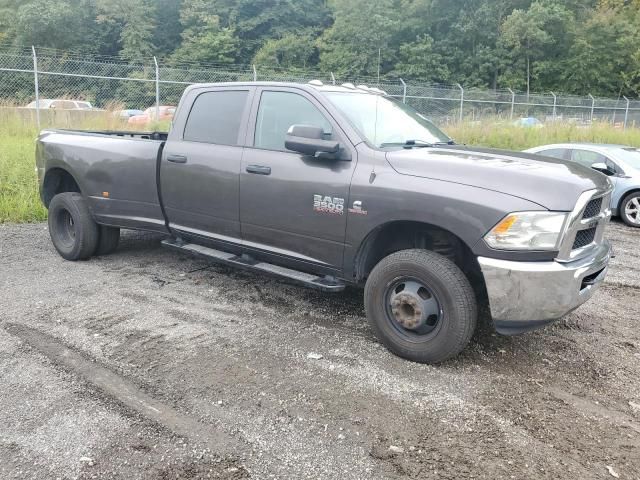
[528, 231]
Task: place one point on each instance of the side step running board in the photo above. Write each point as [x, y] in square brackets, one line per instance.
[326, 284]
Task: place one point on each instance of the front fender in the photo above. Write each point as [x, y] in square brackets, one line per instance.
[467, 212]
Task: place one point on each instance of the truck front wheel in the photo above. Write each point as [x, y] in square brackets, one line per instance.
[71, 227]
[420, 305]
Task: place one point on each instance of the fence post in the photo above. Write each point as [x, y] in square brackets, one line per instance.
[555, 105]
[333, 79]
[255, 73]
[404, 91]
[626, 112]
[513, 102]
[461, 101]
[35, 83]
[593, 106]
[155, 61]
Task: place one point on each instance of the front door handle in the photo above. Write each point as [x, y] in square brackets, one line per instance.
[177, 159]
[259, 170]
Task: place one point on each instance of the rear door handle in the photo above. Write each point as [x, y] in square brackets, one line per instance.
[177, 159]
[259, 170]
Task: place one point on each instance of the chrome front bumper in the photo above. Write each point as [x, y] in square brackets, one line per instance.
[527, 295]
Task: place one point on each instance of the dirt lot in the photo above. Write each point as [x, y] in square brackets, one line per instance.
[150, 364]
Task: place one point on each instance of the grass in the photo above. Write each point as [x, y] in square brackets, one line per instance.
[510, 137]
[20, 202]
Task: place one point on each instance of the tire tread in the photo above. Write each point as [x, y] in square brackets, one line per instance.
[457, 285]
[87, 233]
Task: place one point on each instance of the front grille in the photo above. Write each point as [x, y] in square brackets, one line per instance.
[586, 227]
[593, 208]
[584, 237]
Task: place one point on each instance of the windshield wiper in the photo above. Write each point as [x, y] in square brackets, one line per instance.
[409, 144]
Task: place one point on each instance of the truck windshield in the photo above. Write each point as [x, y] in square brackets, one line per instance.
[385, 122]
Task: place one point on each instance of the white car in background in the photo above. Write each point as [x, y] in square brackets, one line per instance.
[61, 104]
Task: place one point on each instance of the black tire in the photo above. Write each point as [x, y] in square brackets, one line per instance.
[631, 219]
[71, 227]
[449, 333]
[108, 239]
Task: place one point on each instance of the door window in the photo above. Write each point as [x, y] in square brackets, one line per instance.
[560, 153]
[587, 157]
[215, 117]
[278, 111]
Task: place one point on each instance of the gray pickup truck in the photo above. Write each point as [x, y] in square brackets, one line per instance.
[331, 186]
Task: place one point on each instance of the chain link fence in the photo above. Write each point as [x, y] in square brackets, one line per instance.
[110, 84]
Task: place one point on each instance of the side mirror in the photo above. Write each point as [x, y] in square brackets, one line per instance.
[309, 141]
[602, 168]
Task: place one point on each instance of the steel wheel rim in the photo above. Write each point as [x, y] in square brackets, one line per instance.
[632, 210]
[65, 228]
[412, 308]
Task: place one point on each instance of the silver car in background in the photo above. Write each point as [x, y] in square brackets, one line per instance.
[619, 162]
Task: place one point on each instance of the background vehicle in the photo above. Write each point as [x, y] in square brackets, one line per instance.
[331, 186]
[61, 104]
[149, 115]
[128, 113]
[619, 162]
[528, 122]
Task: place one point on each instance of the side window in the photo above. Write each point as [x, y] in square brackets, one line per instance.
[560, 153]
[215, 117]
[278, 111]
[587, 158]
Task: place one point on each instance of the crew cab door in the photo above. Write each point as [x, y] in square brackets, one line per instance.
[293, 205]
[200, 166]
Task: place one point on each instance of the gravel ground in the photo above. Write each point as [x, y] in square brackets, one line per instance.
[148, 364]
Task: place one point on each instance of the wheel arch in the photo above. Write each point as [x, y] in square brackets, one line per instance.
[399, 235]
[57, 180]
[624, 195]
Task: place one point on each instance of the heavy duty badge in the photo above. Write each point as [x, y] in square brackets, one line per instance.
[327, 204]
[357, 208]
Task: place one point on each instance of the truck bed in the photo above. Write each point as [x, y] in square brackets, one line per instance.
[116, 170]
[161, 136]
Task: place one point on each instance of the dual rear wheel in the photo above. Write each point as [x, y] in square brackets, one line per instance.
[73, 231]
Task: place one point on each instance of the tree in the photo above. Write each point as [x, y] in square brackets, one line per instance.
[166, 36]
[57, 24]
[361, 31]
[203, 39]
[620, 4]
[419, 60]
[533, 34]
[291, 51]
[135, 23]
[257, 21]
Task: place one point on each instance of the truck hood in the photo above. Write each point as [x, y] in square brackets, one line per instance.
[550, 183]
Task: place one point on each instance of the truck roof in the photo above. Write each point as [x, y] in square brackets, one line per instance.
[313, 85]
